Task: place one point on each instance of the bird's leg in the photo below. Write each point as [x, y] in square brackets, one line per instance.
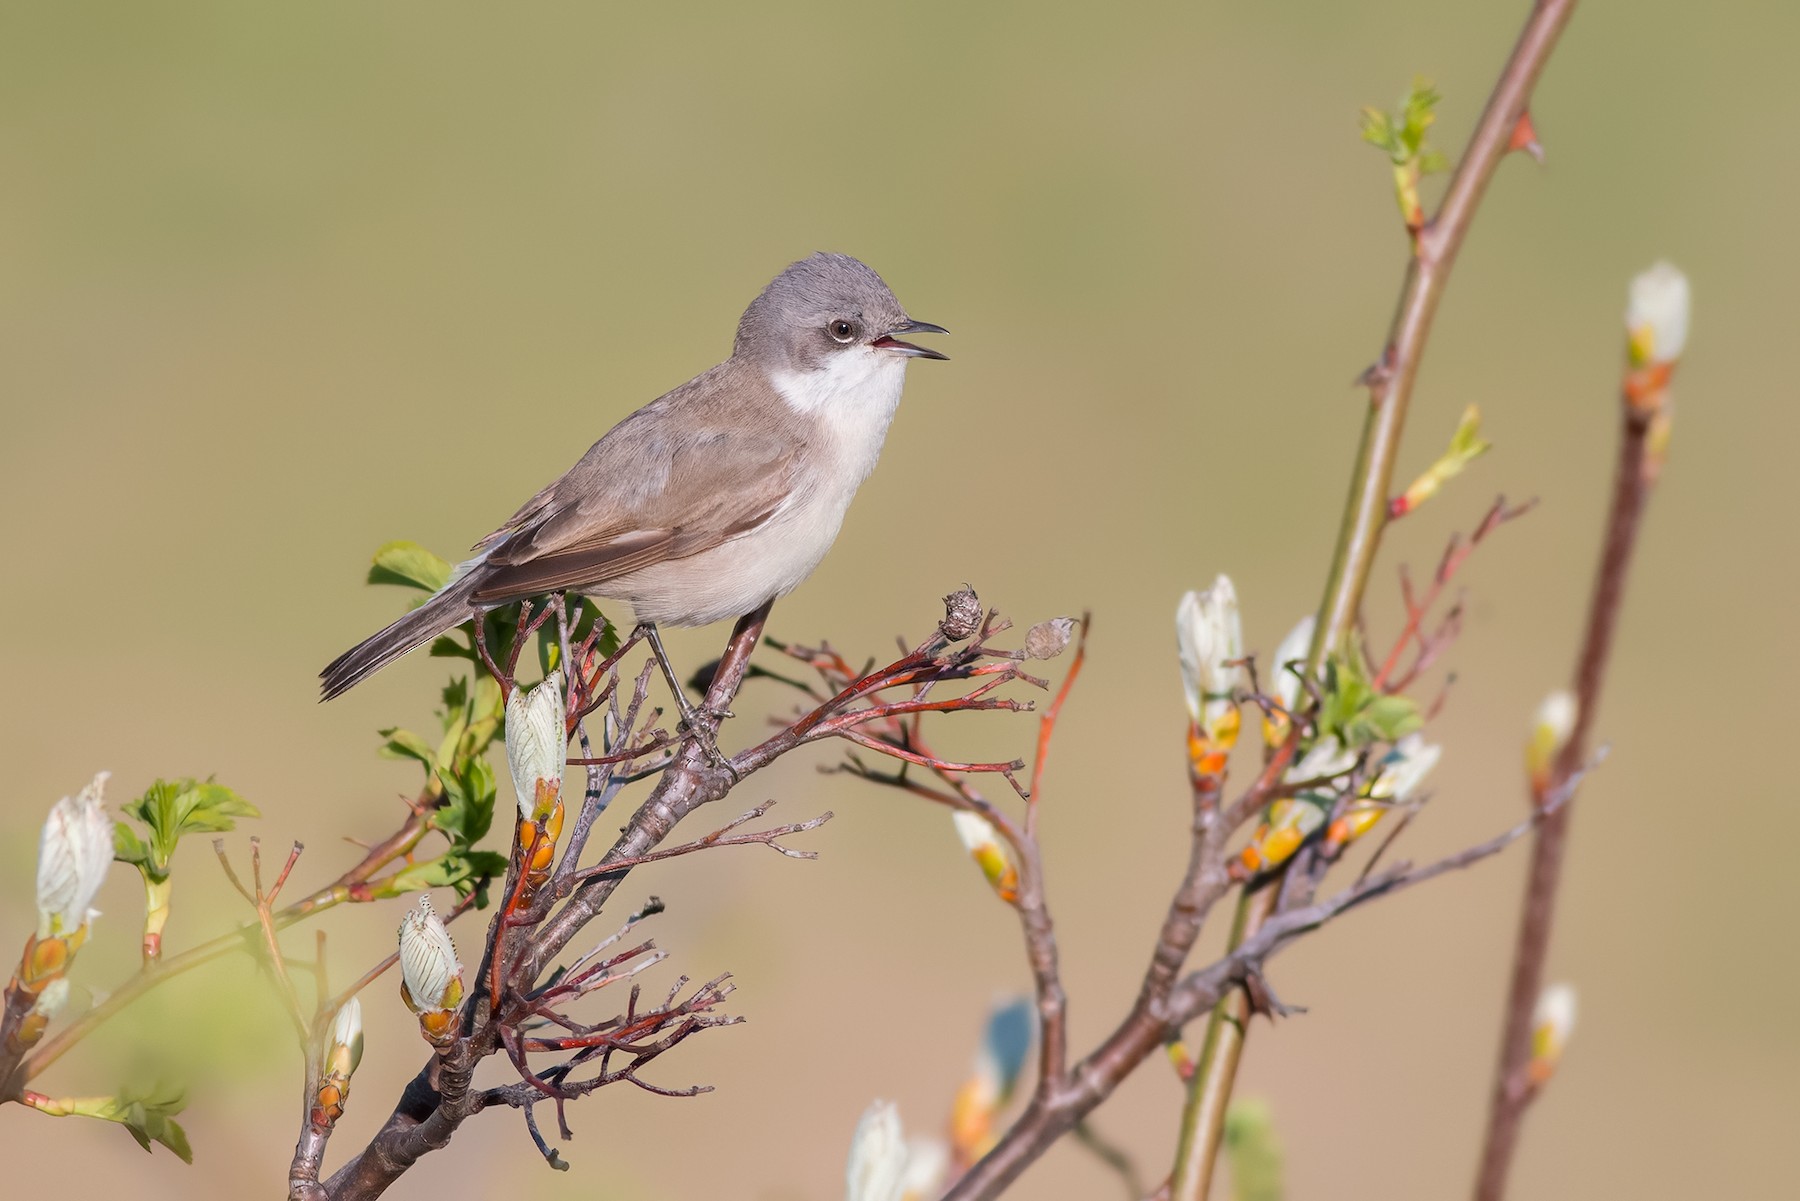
[691, 719]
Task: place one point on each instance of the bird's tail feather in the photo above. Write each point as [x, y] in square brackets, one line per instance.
[445, 611]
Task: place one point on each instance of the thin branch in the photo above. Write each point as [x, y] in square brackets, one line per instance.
[1095, 1078]
[1633, 481]
[1366, 513]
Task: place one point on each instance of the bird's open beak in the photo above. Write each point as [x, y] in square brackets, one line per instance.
[887, 341]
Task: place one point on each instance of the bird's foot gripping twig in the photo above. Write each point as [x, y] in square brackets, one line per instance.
[700, 723]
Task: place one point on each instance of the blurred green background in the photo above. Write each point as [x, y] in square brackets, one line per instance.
[279, 282]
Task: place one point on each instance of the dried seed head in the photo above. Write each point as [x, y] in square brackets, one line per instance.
[1048, 639]
[962, 615]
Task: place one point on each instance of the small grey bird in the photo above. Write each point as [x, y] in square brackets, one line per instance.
[714, 498]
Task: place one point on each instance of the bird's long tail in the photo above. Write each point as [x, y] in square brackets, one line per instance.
[445, 611]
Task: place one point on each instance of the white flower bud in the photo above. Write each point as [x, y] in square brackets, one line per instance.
[983, 842]
[1210, 636]
[344, 1047]
[1656, 315]
[1551, 728]
[1552, 1025]
[428, 960]
[537, 742]
[73, 854]
[877, 1169]
[1404, 767]
[1326, 758]
[927, 1169]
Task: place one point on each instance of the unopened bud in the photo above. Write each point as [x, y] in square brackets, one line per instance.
[1290, 821]
[1552, 1025]
[537, 745]
[877, 1167]
[1551, 729]
[1005, 1043]
[1404, 768]
[983, 842]
[343, 1051]
[73, 854]
[927, 1169]
[1656, 316]
[1396, 778]
[431, 978]
[1210, 637]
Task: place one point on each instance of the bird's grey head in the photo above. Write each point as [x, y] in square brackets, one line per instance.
[822, 308]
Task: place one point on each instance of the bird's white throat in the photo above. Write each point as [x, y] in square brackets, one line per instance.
[854, 396]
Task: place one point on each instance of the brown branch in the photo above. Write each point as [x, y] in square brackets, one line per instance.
[1095, 1078]
[1633, 481]
[439, 1098]
[721, 837]
[1391, 383]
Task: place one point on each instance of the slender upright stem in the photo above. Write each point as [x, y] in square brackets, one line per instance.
[1632, 483]
[1365, 515]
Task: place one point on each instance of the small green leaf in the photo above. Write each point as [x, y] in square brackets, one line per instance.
[1390, 718]
[172, 809]
[468, 811]
[404, 744]
[147, 1114]
[409, 565]
[128, 847]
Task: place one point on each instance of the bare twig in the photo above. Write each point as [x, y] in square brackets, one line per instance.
[1633, 481]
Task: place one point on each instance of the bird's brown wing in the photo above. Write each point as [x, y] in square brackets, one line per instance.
[660, 485]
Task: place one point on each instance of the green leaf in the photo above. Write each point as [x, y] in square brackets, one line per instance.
[468, 810]
[1401, 135]
[128, 847]
[404, 744]
[172, 809]
[1389, 719]
[147, 1114]
[409, 565]
[150, 1117]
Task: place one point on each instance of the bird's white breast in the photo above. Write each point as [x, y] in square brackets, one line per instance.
[851, 402]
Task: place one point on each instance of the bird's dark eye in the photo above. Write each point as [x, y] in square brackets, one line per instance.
[841, 329]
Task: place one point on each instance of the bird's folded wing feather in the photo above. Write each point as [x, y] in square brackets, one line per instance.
[651, 490]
